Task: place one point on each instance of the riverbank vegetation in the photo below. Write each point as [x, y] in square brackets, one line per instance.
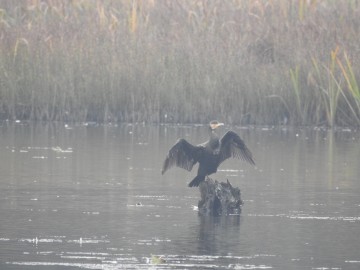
[291, 62]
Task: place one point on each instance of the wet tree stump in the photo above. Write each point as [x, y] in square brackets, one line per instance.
[219, 199]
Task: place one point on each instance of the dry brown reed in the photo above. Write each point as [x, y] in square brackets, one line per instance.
[244, 62]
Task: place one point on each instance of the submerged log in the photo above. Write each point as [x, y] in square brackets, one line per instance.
[219, 199]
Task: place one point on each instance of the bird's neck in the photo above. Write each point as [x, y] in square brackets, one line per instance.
[214, 140]
[213, 134]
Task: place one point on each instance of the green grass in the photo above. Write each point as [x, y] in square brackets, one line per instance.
[243, 62]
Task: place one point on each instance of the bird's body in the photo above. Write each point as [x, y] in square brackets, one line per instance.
[209, 155]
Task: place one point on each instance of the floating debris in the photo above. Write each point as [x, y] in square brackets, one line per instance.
[157, 259]
[58, 149]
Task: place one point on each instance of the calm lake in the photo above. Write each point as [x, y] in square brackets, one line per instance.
[93, 197]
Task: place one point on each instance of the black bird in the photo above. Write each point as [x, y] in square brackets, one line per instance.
[209, 154]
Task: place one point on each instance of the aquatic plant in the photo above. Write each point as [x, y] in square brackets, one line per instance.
[245, 62]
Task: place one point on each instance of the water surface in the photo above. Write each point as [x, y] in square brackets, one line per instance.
[92, 197]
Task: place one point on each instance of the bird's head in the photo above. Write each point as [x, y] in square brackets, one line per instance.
[215, 124]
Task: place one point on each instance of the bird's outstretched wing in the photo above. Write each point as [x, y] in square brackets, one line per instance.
[183, 155]
[233, 146]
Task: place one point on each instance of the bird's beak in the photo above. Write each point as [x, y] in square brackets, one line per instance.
[214, 126]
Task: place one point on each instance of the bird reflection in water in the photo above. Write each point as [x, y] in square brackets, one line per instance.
[215, 234]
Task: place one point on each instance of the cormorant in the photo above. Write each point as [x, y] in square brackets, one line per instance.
[209, 154]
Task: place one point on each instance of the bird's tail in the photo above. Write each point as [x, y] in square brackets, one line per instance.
[197, 180]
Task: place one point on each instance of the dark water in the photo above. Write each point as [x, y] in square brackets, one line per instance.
[92, 197]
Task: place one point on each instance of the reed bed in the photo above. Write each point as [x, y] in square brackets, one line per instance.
[292, 62]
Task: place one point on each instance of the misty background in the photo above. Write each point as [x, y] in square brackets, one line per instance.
[245, 62]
